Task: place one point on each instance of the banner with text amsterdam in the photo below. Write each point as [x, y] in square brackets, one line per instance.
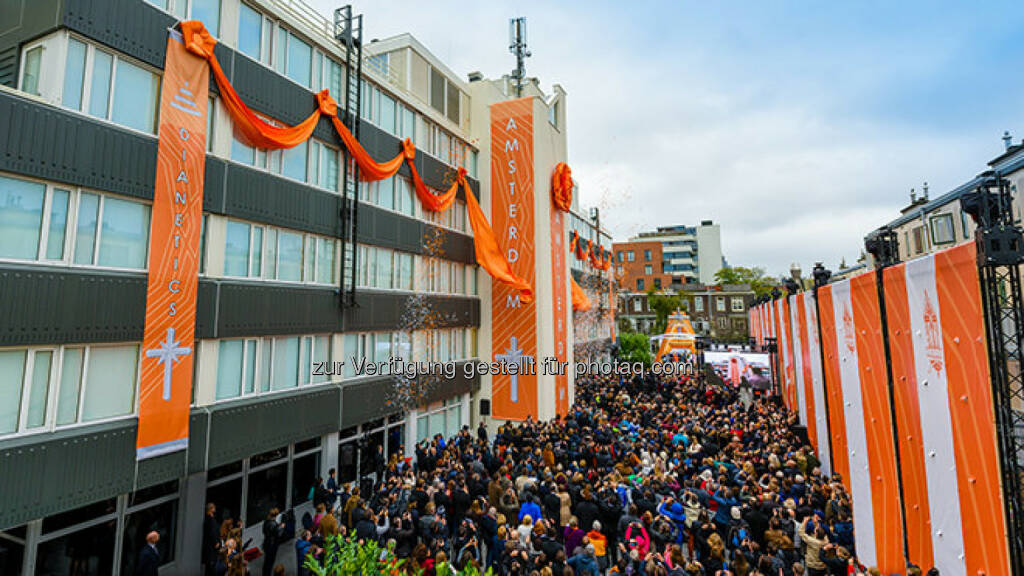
[514, 323]
[165, 386]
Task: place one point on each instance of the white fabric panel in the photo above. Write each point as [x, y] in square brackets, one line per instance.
[856, 437]
[798, 360]
[818, 384]
[783, 344]
[936, 422]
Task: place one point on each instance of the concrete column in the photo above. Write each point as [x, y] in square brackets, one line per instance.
[410, 432]
[328, 453]
[190, 525]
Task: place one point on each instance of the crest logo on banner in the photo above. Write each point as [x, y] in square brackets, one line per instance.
[849, 338]
[933, 334]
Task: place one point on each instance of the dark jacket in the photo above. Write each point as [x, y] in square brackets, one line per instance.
[148, 563]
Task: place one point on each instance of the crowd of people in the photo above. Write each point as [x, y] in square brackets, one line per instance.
[644, 476]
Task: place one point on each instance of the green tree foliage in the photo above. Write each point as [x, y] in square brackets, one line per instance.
[635, 347]
[759, 283]
[663, 306]
[349, 557]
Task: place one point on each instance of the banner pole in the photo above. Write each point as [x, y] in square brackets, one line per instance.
[821, 278]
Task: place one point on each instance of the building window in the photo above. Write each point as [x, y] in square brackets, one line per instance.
[57, 225]
[30, 70]
[324, 166]
[720, 304]
[657, 283]
[648, 270]
[384, 268]
[723, 323]
[293, 57]
[254, 251]
[942, 229]
[639, 284]
[698, 304]
[108, 86]
[737, 304]
[619, 255]
[630, 257]
[964, 225]
[638, 305]
[919, 240]
[207, 11]
[647, 255]
[553, 114]
[620, 270]
[45, 388]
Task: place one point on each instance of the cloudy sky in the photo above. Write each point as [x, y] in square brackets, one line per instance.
[799, 130]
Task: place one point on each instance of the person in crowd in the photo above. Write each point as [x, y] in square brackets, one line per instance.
[211, 540]
[148, 563]
[272, 530]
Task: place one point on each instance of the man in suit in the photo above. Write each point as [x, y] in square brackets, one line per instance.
[148, 563]
[211, 540]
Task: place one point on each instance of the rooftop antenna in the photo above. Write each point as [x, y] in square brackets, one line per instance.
[517, 46]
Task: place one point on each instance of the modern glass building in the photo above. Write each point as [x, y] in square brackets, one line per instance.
[79, 89]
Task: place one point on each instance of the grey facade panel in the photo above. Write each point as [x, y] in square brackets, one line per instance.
[46, 142]
[43, 306]
[198, 438]
[35, 481]
[246, 427]
[129, 26]
[256, 195]
[160, 469]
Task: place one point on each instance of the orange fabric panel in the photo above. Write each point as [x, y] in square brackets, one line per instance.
[513, 318]
[165, 385]
[488, 254]
[805, 363]
[369, 169]
[833, 389]
[908, 417]
[580, 302]
[561, 186]
[561, 308]
[252, 129]
[878, 424]
[972, 411]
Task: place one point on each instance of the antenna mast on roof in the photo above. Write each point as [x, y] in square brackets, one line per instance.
[517, 46]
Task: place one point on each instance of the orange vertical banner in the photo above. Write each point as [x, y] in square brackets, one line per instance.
[559, 271]
[165, 388]
[878, 424]
[833, 388]
[513, 321]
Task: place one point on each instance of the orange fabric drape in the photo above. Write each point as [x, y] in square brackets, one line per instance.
[580, 302]
[488, 254]
[369, 169]
[429, 200]
[561, 186]
[261, 134]
[254, 130]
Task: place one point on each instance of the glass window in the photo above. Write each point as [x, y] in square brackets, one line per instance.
[240, 152]
[70, 385]
[267, 490]
[208, 12]
[30, 73]
[351, 347]
[135, 97]
[453, 103]
[162, 519]
[289, 256]
[437, 92]
[227, 497]
[99, 91]
[12, 376]
[321, 353]
[236, 249]
[286, 363]
[124, 238]
[942, 229]
[58, 224]
[229, 368]
[293, 163]
[110, 382]
[325, 261]
[405, 271]
[305, 471]
[308, 258]
[21, 218]
[271, 257]
[74, 75]
[385, 266]
[255, 267]
[382, 350]
[39, 389]
[387, 113]
[250, 31]
[300, 60]
[88, 547]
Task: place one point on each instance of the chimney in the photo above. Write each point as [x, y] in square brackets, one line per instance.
[1007, 139]
[913, 196]
[925, 192]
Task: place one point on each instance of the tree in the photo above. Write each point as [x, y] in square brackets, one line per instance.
[635, 347]
[663, 306]
[625, 326]
[759, 283]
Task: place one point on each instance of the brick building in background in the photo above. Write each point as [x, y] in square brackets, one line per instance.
[640, 266]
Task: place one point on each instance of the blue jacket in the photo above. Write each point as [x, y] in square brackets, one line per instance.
[529, 508]
[585, 565]
[301, 549]
[723, 514]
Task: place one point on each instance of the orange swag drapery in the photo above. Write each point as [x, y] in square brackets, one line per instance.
[261, 134]
[561, 186]
[580, 302]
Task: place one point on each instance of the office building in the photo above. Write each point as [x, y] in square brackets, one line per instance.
[688, 254]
